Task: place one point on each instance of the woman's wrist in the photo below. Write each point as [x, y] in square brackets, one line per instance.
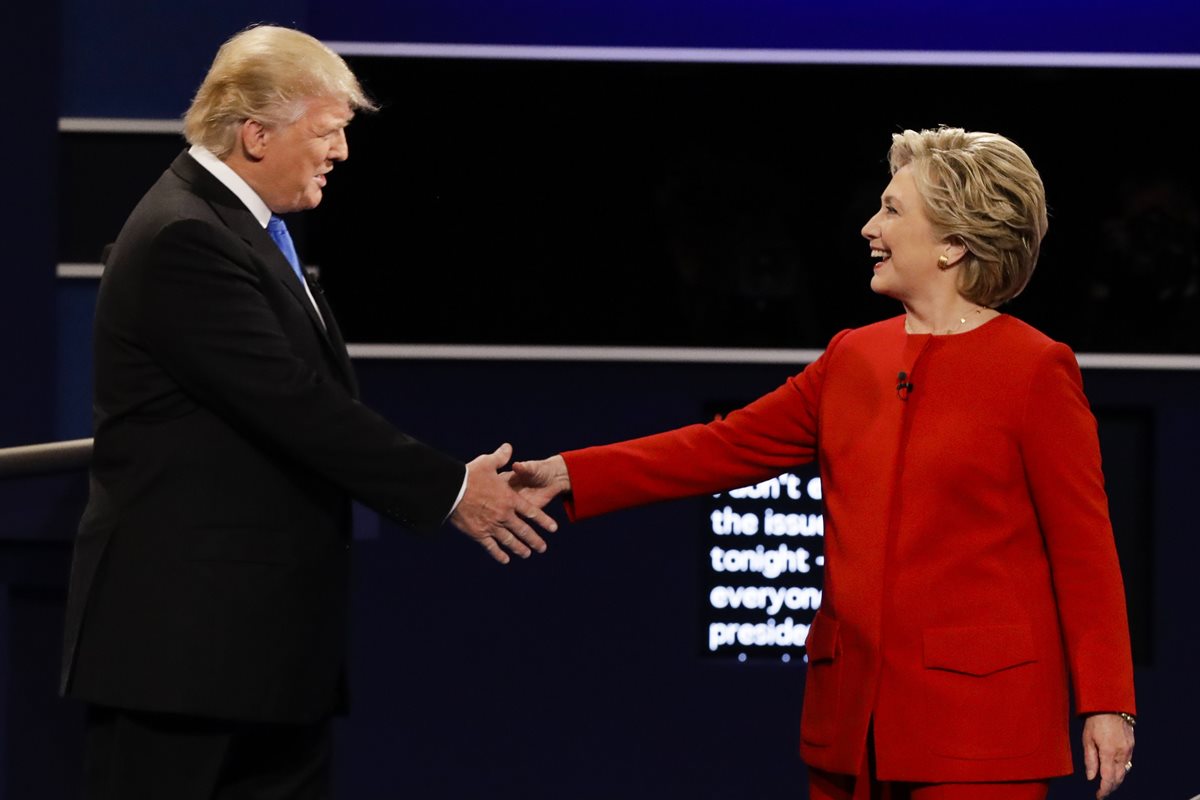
[561, 476]
[1130, 719]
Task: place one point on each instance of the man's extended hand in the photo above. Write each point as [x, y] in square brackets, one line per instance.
[539, 482]
[494, 515]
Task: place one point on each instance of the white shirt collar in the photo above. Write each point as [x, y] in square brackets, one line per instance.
[232, 181]
[237, 184]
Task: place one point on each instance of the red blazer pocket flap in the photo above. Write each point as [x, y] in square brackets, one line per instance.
[979, 650]
[822, 640]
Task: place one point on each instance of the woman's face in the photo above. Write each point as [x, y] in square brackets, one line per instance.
[903, 239]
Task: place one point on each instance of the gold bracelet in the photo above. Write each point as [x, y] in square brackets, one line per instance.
[1132, 720]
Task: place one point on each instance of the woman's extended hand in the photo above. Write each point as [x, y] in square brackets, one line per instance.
[1107, 750]
[539, 482]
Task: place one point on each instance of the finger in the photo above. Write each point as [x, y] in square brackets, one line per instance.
[527, 534]
[531, 471]
[516, 481]
[494, 549]
[529, 476]
[1091, 759]
[512, 539]
[1111, 773]
[537, 516]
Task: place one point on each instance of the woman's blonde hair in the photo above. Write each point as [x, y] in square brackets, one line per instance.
[982, 190]
[267, 74]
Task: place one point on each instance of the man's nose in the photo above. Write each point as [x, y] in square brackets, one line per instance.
[341, 148]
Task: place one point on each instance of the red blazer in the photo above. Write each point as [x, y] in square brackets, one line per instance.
[970, 563]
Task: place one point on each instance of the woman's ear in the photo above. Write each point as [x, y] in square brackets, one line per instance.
[955, 251]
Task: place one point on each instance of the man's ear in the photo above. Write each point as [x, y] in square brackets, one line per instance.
[254, 137]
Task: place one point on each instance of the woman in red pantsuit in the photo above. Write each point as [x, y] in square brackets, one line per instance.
[970, 565]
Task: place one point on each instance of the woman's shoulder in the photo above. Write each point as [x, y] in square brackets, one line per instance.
[1019, 337]
[891, 329]
[1029, 357]
[868, 341]
[1020, 331]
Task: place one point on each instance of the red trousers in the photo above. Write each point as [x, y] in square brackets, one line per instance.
[832, 786]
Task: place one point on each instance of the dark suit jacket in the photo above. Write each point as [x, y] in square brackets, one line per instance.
[210, 570]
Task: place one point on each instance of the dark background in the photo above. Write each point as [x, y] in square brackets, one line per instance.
[716, 205]
[578, 202]
[720, 204]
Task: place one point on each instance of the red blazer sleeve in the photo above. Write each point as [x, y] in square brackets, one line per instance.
[1061, 453]
[777, 431]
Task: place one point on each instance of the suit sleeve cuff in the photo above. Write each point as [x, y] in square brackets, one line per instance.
[461, 491]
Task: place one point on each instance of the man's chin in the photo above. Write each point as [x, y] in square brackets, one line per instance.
[305, 203]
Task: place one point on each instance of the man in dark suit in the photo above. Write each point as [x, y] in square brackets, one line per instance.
[207, 612]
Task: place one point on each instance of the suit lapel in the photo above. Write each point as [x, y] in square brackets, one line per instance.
[337, 343]
[238, 218]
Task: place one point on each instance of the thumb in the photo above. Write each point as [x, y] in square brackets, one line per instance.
[502, 454]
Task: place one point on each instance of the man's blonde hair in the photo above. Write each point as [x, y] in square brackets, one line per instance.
[982, 190]
[267, 74]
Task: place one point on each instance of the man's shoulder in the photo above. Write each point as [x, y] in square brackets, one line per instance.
[171, 196]
[174, 217]
[184, 193]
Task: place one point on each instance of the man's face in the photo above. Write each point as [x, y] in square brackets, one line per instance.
[297, 157]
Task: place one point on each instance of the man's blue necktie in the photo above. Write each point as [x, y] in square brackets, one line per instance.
[279, 232]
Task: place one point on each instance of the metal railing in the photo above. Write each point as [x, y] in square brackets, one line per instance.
[38, 459]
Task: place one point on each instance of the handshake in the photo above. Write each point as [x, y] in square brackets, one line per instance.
[497, 507]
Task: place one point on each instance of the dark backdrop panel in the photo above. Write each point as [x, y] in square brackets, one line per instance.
[125, 58]
[27, 325]
[721, 204]
[574, 674]
[1150, 26]
[102, 176]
